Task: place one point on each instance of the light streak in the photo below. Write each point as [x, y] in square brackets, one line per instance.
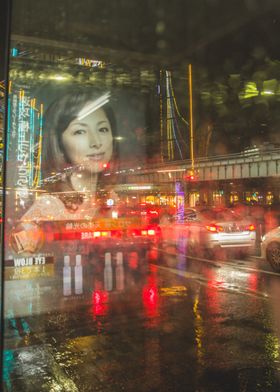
[32, 141]
[191, 117]
[8, 119]
[38, 164]
[161, 118]
[93, 106]
[172, 125]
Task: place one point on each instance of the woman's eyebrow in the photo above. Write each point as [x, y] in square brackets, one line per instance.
[102, 122]
[79, 123]
[84, 124]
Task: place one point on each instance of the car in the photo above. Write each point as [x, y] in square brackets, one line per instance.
[210, 231]
[110, 229]
[270, 248]
[148, 212]
[265, 147]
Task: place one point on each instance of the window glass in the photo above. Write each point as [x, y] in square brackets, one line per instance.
[125, 118]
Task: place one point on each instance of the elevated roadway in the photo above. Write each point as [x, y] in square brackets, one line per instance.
[225, 167]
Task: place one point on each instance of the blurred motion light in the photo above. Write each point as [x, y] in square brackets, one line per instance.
[110, 202]
[59, 77]
[267, 92]
[14, 52]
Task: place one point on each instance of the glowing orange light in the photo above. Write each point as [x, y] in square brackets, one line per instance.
[214, 228]
[251, 227]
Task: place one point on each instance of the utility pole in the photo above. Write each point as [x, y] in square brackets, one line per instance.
[191, 118]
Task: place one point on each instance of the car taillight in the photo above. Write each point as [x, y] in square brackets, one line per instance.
[148, 232]
[142, 232]
[101, 234]
[214, 228]
[251, 227]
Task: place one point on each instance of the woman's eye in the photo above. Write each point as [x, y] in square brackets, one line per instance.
[103, 129]
[79, 131]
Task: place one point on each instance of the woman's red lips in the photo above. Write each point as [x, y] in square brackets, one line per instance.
[95, 156]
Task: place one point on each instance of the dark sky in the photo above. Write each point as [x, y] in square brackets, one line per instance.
[168, 32]
[219, 37]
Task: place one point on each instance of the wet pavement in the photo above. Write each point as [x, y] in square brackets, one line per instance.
[134, 322]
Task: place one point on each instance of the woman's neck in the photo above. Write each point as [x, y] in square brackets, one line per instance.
[84, 181]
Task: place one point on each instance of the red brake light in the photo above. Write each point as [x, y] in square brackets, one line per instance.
[116, 233]
[214, 228]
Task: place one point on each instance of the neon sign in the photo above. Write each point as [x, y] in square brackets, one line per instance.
[90, 63]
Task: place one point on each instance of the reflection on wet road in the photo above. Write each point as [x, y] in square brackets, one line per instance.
[129, 321]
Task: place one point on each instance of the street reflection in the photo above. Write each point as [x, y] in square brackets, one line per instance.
[108, 272]
[150, 297]
[120, 284]
[133, 259]
[99, 303]
[156, 310]
[67, 278]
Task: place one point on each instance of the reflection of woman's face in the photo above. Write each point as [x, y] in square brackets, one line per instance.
[89, 142]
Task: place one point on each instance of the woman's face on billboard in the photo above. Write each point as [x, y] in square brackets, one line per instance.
[89, 141]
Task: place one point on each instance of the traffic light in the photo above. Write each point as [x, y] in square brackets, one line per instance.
[191, 176]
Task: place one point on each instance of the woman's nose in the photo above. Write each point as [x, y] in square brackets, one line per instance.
[94, 140]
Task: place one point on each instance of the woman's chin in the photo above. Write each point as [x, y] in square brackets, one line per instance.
[94, 169]
[91, 167]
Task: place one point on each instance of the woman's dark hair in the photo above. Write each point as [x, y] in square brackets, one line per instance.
[57, 118]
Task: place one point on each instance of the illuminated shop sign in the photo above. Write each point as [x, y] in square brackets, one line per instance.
[90, 63]
[180, 201]
[29, 261]
[30, 272]
[139, 187]
[24, 131]
[136, 187]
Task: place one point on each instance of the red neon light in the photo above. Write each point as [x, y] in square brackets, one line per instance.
[99, 302]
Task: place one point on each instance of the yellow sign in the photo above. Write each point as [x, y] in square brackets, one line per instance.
[29, 272]
[104, 224]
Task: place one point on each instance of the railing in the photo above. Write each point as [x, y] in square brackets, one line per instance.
[242, 157]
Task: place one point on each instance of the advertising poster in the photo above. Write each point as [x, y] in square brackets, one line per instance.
[68, 147]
